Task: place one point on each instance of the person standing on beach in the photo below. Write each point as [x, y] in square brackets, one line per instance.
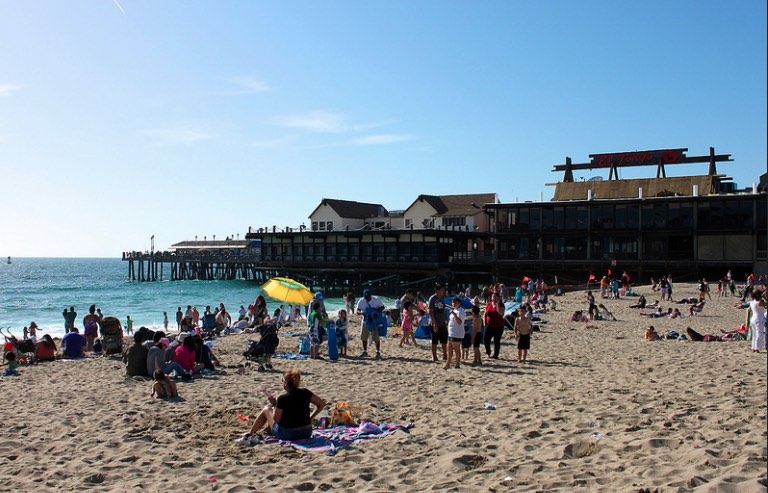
[317, 321]
[439, 321]
[494, 326]
[319, 298]
[370, 307]
[757, 321]
[669, 287]
[179, 317]
[129, 325]
[91, 326]
[456, 332]
[165, 321]
[477, 334]
[523, 331]
[195, 316]
[704, 289]
[71, 318]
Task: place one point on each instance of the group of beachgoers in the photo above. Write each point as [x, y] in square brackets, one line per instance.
[73, 345]
[753, 297]
[457, 323]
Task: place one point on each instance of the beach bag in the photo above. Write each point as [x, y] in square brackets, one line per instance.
[303, 345]
[345, 414]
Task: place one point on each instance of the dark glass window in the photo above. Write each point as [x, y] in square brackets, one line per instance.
[654, 216]
[534, 215]
[633, 216]
[679, 215]
[559, 218]
[502, 219]
[547, 218]
[654, 248]
[597, 217]
[621, 216]
[680, 247]
[581, 217]
[608, 216]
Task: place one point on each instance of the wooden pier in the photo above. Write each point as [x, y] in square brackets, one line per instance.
[146, 267]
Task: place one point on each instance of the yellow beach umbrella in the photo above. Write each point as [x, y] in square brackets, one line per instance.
[287, 291]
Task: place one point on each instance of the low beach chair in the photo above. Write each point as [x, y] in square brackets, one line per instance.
[697, 308]
[607, 315]
[261, 352]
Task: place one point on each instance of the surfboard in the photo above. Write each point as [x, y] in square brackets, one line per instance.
[333, 348]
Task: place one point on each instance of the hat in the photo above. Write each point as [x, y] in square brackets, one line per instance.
[366, 293]
[319, 296]
[165, 342]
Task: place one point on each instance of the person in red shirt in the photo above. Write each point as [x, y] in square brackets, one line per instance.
[46, 349]
[494, 325]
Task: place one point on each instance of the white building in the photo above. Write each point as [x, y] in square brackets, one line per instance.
[334, 215]
[463, 212]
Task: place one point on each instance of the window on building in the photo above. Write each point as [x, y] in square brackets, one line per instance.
[408, 223]
[449, 222]
[329, 226]
[314, 226]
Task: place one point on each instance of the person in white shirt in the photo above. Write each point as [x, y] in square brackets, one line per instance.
[370, 307]
[455, 332]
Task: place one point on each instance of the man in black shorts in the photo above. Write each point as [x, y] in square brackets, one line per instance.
[439, 321]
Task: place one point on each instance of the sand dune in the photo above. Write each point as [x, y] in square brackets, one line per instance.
[597, 409]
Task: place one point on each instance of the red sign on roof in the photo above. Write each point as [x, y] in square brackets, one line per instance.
[638, 158]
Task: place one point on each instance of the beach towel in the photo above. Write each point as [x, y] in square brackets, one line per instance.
[331, 440]
[292, 356]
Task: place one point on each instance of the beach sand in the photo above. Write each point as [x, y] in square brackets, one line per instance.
[596, 409]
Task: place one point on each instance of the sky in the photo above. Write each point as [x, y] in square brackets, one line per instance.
[126, 119]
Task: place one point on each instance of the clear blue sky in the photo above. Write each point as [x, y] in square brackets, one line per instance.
[130, 118]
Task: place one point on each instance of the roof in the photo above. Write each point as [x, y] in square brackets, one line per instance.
[652, 187]
[457, 205]
[351, 209]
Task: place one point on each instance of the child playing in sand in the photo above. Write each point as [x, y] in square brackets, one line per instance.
[407, 324]
[163, 387]
[523, 331]
[11, 363]
[477, 334]
[316, 326]
[342, 332]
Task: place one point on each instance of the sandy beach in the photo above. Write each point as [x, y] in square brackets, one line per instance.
[596, 409]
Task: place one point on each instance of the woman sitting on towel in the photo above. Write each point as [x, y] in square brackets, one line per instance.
[288, 417]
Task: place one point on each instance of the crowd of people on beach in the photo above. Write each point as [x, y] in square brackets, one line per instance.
[457, 325]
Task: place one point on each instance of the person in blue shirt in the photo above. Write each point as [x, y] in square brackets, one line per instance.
[73, 344]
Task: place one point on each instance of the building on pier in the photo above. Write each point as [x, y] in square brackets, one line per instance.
[687, 226]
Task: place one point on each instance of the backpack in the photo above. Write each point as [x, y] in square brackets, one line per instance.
[345, 414]
[303, 345]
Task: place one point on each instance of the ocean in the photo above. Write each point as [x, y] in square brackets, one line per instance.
[39, 289]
